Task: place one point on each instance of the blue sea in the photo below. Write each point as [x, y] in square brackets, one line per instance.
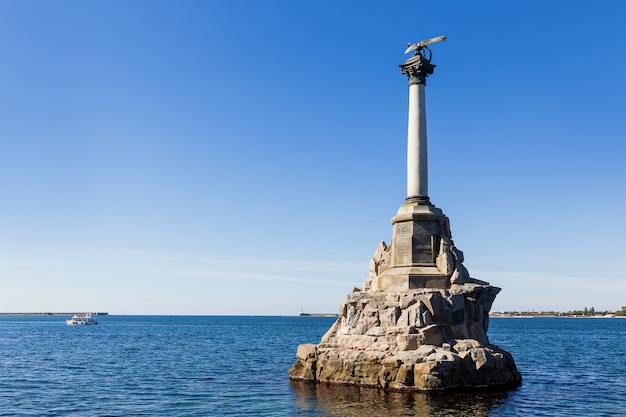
[237, 366]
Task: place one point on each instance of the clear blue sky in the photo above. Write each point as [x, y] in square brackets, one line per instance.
[246, 157]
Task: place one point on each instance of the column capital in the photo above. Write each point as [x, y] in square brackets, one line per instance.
[417, 68]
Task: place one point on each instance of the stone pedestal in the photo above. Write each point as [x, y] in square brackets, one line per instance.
[419, 322]
[418, 235]
[411, 340]
[414, 340]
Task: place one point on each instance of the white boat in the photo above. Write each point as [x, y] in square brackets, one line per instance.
[82, 320]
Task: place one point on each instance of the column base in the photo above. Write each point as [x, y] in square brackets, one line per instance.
[419, 199]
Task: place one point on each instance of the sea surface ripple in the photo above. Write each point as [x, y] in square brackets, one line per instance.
[237, 366]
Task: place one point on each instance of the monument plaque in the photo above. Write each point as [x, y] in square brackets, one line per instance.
[423, 249]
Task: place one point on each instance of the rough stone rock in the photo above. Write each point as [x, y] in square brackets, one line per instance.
[306, 351]
[419, 322]
[422, 339]
[377, 259]
[486, 366]
[445, 259]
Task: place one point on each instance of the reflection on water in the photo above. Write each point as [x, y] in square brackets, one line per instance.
[346, 401]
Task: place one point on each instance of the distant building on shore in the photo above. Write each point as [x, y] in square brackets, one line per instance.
[623, 309]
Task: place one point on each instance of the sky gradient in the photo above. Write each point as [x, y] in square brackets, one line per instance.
[246, 157]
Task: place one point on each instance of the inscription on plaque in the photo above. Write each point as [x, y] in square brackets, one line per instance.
[415, 242]
[402, 251]
[403, 230]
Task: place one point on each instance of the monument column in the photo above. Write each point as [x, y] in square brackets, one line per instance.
[417, 68]
[419, 228]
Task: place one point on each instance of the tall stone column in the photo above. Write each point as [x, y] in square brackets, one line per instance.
[417, 68]
[419, 227]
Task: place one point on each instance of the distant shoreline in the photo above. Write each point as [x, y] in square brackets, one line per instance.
[558, 316]
[523, 315]
[51, 314]
[318, 315]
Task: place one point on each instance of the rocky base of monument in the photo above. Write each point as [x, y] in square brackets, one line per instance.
[429, 368]
[415, 340]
